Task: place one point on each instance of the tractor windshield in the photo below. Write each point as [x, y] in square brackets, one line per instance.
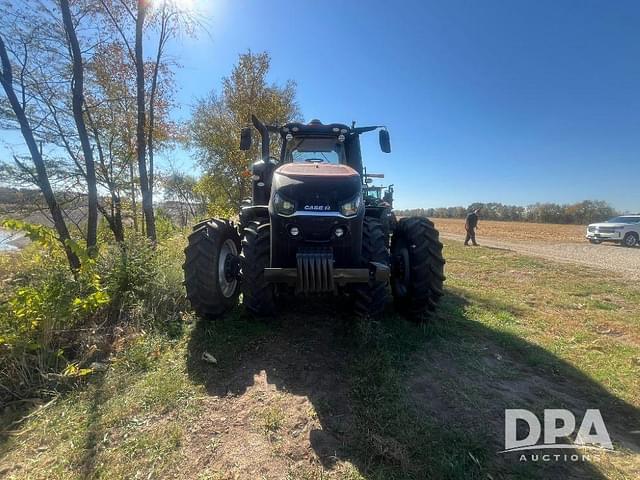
[374, 193]
[315, 150]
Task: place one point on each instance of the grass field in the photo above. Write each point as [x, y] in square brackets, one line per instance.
[517, 231]
[315, 395]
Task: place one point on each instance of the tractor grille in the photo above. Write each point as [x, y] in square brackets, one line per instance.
[315, 271]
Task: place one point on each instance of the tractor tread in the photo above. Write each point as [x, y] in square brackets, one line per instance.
[200, 268]
[369, 300]
[258, 296]
[426, 271]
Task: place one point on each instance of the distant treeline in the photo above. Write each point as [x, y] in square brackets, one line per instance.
[12, 196]
[588, 211]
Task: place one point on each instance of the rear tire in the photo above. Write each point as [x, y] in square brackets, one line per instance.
[210, 268]
[630, 239]
[258, 296]
[370, 299]
[418, 267]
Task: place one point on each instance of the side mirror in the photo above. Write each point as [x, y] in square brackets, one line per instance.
[385, 141]
[245, 138]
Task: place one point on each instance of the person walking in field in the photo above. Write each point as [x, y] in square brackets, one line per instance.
[470, 225]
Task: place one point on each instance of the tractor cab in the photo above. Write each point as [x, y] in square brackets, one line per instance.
[314, 143]
[376, 195]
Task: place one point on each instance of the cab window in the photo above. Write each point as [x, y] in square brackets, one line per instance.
[315, 150]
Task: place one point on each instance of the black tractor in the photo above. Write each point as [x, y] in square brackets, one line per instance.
[312, 227]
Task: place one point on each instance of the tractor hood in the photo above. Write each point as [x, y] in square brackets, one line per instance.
[316, 187]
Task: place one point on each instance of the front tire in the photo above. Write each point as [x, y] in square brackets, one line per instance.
[210, 268]
[595, 241]
[418, 267]
[630, 239]
[370, 299]
[258, 296]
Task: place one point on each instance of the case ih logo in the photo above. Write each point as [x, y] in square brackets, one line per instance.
[321, 208]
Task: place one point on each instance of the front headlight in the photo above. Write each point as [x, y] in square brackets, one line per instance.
[350, 208]
[282, 205]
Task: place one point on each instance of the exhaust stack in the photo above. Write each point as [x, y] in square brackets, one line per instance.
[264, 135]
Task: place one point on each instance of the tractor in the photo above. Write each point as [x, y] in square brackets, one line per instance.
[378, 201]
[312, 228]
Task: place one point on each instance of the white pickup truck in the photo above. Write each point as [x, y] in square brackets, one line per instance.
[624, 229]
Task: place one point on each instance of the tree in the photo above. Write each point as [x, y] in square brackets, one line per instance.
[182, 196]
[169, 19]
[581, 213]
[141, 140]
[121, 16]
[112, 116]
[40, 176]
[214, 130]
[48, 62]
[77, 87]
[77, 113]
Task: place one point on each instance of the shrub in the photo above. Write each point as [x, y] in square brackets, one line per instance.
[165, 228]
[41, 308]
[145, 285]
[54, 322]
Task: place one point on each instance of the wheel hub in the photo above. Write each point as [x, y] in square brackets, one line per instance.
[630, 240]
[228, 266]
[231, 268]
[401, 267]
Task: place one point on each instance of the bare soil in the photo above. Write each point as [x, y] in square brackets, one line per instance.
[517, 231]
[266, 414]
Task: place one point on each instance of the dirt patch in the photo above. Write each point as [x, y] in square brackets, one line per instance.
[281, 410]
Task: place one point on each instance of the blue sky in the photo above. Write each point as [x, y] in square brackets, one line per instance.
[512, 101]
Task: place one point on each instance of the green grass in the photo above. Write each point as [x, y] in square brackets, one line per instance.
[403, 401]
[110, 428]
[395, 440]
[272, 419]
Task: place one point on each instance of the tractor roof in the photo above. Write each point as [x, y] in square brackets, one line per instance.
[315, 127]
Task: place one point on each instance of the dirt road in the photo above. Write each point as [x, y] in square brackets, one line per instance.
[620, 260]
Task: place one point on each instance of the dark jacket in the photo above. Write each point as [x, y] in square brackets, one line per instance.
[472, 221]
